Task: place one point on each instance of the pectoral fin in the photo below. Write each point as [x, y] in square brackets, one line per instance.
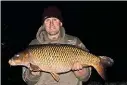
[55, 76]
[34, 67]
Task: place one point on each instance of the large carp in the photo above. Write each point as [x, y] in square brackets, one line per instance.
[59, 58]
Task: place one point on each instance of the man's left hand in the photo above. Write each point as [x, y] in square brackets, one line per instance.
[79, 71]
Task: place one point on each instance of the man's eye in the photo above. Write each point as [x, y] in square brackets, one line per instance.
[47, 20]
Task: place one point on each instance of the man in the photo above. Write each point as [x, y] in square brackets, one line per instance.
[52, 31]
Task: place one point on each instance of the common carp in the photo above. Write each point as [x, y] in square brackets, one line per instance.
[59, 58]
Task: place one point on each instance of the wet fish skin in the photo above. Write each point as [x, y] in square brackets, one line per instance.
[59, 58]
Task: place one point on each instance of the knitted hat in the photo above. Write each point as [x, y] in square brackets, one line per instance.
[52, 11]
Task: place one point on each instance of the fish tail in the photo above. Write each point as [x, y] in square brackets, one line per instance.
[100, 69]
[106, 61]
[101, 66]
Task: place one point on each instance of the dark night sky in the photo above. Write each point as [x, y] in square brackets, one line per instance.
[99, 25]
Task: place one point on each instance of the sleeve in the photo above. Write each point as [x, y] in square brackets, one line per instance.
[26, 74]
[87, 76]
[80, 44]
[28, 77]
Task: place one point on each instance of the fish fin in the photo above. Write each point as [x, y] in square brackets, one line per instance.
[100, 69]
[34, 67]
[101, 66]
[55, 76]
[106, 61]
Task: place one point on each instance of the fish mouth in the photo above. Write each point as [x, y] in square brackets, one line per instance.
[11, 62]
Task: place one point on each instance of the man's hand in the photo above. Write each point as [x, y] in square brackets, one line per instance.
[79, 71]
[34, 70]
[35, 73]
[77, 66]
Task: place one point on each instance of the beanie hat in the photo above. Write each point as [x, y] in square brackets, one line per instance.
[52, 11]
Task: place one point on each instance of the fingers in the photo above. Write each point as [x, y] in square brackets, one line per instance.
[77, 66]
[35, 73]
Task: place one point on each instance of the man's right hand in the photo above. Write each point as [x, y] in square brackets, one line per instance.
[35, 70]
[35, 73]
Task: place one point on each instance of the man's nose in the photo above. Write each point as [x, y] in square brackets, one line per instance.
[51, 22]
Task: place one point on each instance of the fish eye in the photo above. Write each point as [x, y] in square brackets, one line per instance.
[17, 55]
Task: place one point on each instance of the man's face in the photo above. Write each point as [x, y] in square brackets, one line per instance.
[52, 25]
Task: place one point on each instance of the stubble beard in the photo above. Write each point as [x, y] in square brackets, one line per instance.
[54, 36]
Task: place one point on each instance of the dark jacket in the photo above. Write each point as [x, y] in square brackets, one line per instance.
[46, 78]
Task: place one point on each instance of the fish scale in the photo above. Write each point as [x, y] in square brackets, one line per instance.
[59, 58]
[63, 55]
